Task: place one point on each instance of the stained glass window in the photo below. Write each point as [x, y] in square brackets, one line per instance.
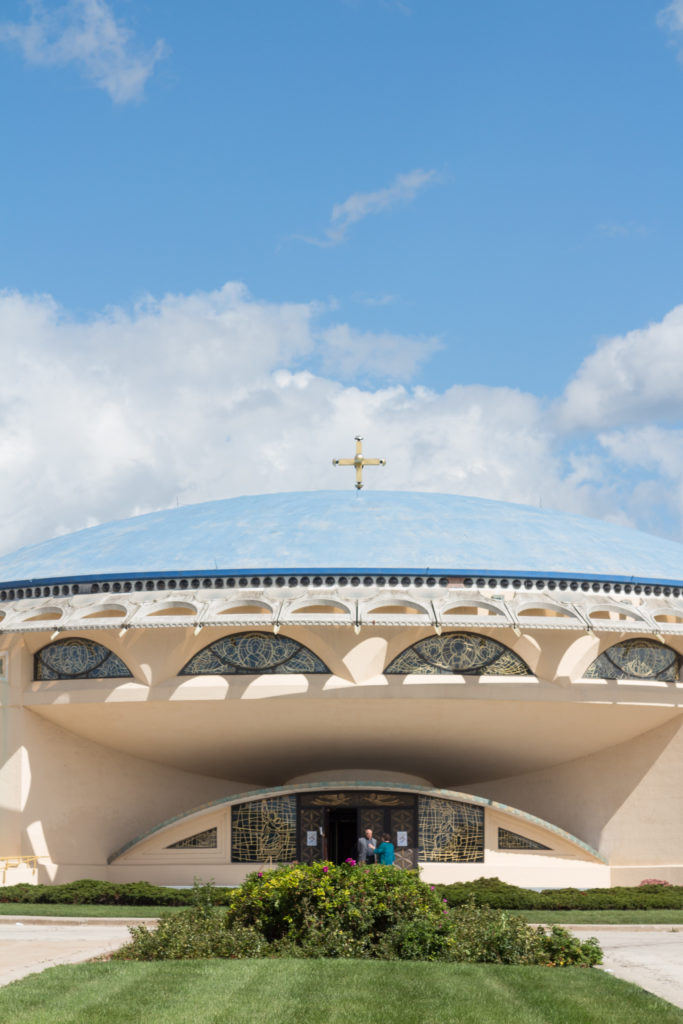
[641, 658]
[77, 658]
[450, 830]
[464, 653]
[249, 653]
[206, 840]
[513, 841]
[264, 830]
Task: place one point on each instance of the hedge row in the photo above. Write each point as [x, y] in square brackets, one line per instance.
[484, 891]
[89, 891]
[494, 893]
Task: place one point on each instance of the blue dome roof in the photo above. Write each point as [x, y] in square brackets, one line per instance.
[348, 530]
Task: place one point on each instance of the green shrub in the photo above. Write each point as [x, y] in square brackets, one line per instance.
[564, 949]
[484, 891]
[494, 893]
[363, 903]
[92, 891]
[483, 935]
[350, 911]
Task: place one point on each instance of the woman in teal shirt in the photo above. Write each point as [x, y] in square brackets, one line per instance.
[384, 854]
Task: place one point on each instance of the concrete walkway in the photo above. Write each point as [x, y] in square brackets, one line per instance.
[30, 944]
[647, 955]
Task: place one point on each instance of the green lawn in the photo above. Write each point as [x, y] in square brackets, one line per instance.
[536, 916]
[82, 910]
[326, 992]
[603, 916]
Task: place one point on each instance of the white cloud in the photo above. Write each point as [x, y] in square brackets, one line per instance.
[202, 396]
[86, 33]
[630, 378]
[373, 300]
[613, 229]
[362, 204]
[349, 353]
[195, 397]
[397, 5]
[671, 19]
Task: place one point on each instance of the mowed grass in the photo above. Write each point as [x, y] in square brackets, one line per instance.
[673, 917]
[326, 992]
[83, 910]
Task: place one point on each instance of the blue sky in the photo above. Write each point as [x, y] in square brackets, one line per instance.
[448, 220]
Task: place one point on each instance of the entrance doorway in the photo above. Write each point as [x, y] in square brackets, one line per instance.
[330, 822]
[342, 834]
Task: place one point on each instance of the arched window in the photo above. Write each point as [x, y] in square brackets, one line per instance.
[78, 658]
[641, 658]
[468, 654]
[251, 653]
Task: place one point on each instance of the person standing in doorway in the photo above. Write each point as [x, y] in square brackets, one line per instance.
[366, 848]
[384, 853]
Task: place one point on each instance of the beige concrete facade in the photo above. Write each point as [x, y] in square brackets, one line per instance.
[93, 768]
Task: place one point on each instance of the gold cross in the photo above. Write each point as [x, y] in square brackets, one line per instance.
[359, 462]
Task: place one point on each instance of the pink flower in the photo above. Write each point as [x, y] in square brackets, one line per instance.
[260, 874]
[444, 900]
[432, 887]
[325, 870]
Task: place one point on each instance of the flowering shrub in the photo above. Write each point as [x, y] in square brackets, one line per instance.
[323, 910]
[332, 909]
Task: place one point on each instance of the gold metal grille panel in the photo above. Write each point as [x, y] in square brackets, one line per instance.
[450, 830]
[207, 840]
[355, 799]
[264, 830]
[513, 841]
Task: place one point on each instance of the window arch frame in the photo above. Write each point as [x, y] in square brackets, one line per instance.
[43, 671]
[480, 670]
[232, 669]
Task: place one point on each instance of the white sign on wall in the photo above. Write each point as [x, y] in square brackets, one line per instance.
[311, 838]
[401, 838]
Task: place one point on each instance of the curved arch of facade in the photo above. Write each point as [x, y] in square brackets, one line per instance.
[78, 658]
[253, 652]
[522, 819]
[459, 653]
[637, 658]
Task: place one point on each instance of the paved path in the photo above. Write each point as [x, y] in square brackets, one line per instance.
[31, 944]
[647, 955]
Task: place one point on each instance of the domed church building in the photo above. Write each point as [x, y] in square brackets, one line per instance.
[209, 689]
